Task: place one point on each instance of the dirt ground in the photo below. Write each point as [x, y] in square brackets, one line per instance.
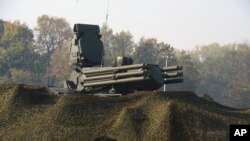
[31, 113]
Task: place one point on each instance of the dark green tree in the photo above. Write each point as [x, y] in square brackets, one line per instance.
[17, 51]
[150, 51]
[224, 72]
[145, 51]
[191, 75]
[107, 39]
[123, 44]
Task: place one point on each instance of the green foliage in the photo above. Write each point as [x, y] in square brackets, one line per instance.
[145, 50]
[152, 52]
[3, 62]
[60, 68]
[224, 72]
[123, 44]
[21, 76]
[107, 39]
[1, 31]
[163, 51]
[17, 53]
[52, 32]
[15, 32]
[119, 44]
[191, 75]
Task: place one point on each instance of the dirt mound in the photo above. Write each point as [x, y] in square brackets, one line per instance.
[34, 113]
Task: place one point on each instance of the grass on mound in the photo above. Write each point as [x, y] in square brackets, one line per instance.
[34, 113]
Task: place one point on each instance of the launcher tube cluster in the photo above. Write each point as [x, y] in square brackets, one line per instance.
[88, 75]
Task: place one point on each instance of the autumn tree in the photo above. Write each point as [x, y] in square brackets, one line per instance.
[52, 32]
[15, 32]
[59, 61]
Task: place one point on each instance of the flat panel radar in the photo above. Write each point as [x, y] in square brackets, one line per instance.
[87, 37]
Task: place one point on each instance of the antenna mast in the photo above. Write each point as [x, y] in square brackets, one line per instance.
[107, 15]
[105, 31]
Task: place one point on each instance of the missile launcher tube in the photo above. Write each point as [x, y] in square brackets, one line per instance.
[111, 82]
[172, 75]
[114, 76]
[172, 68]
[136, 66]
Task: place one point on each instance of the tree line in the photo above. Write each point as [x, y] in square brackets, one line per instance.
[40, 55]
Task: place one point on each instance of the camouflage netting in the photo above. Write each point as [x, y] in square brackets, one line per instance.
[33, 113]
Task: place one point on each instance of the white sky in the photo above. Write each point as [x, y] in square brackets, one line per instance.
[182, 23]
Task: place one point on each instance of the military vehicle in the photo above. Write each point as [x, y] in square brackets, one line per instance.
[90, 76]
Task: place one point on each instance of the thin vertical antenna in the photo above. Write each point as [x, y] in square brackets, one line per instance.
[104, 39]
[107, 15]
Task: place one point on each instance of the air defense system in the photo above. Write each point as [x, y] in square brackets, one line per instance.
[90, 76]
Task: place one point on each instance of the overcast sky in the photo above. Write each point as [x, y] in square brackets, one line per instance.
[182, 23]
